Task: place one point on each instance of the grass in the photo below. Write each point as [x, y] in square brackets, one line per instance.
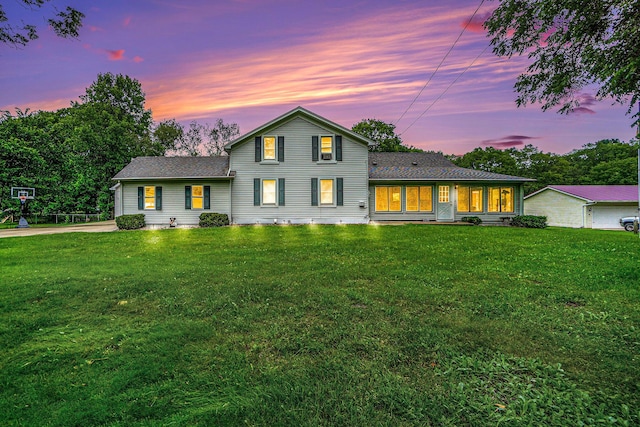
[321, 325]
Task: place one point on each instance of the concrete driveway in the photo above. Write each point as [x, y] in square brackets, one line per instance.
[90, 227]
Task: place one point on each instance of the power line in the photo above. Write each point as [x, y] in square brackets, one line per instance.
[445, 91]
[441, 62]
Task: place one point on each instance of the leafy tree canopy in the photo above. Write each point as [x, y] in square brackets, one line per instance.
[573, 44]
[382, 134]
[65, 24]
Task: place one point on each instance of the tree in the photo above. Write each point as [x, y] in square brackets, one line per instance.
[219, 135]
[65, 24]
[382, 134]
[168, 134]
[573, 44]
[199, 139]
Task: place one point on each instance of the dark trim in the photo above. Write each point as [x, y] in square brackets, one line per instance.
[256, 191]
[187, 197]
[314, 148]
[281, 148]
[314, 191]
[158, 198]
[207, 197]
[258, 143]
[339, 191]
[140, 198]
[338, 140]
[280, 191]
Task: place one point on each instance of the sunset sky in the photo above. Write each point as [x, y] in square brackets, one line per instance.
[249, 61]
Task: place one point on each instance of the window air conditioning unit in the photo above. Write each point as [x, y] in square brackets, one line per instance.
[326, 156]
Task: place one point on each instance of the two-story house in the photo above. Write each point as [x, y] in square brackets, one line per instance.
[301, 168]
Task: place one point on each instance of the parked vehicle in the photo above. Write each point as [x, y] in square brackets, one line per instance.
[627, 222]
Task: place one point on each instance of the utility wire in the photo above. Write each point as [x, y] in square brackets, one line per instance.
[441, 62]
[445, 91]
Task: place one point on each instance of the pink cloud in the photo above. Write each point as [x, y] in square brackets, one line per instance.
[115, 55]
[126, 21]
[476, 24]
[94, 29]
[138, 59]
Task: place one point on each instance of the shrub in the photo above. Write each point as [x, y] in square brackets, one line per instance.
[130, 222]
[471, 219]
[210, 219]
[529, 221]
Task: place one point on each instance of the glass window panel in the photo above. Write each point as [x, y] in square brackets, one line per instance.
[150, 197]
[426, 199]
[326, 191]
[506, 199]
[412, 199]
[382, 199]
[494, 199]
[476, 199]
[325, 144]
[395, 199]
[268, 191]
[196, 203]
[443, 194]
[197, 191]
[463, 198]
[269, 147]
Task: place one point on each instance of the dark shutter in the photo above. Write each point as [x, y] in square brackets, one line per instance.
[314, 191]
[158, 198]
[140, 198]
[314, 148]
[187, 197]
[256, 191]
[258, 148]
[281, 148]
[207, 197]
[339, 192]
[280, 191]
[339, 148]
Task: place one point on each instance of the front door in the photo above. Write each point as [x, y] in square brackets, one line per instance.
[445, 204]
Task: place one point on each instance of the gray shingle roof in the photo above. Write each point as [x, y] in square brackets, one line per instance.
[427, 167]
[175, 167]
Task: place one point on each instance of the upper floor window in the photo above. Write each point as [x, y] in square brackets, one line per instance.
[269, 143]
[501, 199]
[325, 148]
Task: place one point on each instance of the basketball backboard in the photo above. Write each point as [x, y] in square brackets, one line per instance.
[23, 193]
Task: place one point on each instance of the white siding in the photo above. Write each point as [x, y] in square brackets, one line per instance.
[560, 209]
[173, 201]
[297, 170]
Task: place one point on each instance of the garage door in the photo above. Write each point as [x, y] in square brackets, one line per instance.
[609, 216]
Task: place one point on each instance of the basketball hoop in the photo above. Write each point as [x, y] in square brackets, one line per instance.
[24, 194]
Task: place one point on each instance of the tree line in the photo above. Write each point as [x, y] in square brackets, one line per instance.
[604, 162]
[70, 155]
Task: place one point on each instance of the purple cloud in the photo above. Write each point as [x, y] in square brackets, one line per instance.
[508, 141]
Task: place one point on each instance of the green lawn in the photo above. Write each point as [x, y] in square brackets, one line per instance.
[321, 325]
